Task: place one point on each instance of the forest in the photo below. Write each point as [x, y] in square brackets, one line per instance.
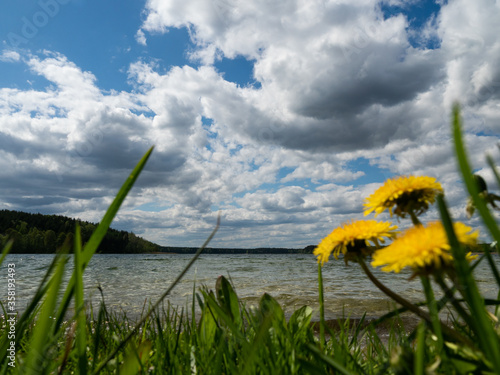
[36, 233]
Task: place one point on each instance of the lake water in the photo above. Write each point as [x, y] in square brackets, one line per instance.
[129, 280]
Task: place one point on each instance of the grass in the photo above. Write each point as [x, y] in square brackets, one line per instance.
[227, 338]
[230, 338]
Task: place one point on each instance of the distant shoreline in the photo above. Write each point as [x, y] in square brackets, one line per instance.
[214, 250]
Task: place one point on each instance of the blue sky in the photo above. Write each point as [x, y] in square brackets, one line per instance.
[283, 116]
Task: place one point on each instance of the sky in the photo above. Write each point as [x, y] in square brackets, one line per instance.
[281, 115]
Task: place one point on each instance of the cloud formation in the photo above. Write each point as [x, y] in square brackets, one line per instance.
[336, 83]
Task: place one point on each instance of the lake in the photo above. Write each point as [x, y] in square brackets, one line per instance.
[129, 280]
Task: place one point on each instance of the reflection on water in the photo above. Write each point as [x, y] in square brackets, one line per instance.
[128, 281]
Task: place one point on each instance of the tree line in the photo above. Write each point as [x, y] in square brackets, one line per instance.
[215, 250]
[45, 234]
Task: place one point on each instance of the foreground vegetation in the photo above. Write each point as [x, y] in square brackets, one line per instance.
[230, 338]
[227, 338]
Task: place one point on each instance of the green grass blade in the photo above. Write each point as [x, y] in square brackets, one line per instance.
[493, 266]
[310, 367]
[96, 238]
[496, 274]
[357, 330]
[491, 163]
[330, 362]
[262, 324]
[97, 336]
[30, 311]
[486, 336]
[37, 354]
[449, 293]
[468, 179]
[165, 294]
[193, 305]
[489, 339]
[81, 328]
[419, 364]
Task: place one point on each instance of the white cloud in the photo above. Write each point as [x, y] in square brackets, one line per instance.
[140, 37]
[338, 82]
[321, 65]
[9, 56]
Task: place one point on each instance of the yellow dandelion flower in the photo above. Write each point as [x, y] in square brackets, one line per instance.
[407, 193]
[354, 237]
[423, 248]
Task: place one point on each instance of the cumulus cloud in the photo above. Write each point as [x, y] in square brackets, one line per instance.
[70, 133]
[344, 78]
[323, 64]
[336, 82]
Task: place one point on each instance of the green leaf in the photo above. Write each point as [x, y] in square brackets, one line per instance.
[228, 299]
[208, 322]
[269, 307]
[300, 320]
[135, 359]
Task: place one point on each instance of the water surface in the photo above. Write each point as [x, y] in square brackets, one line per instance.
[128, 281]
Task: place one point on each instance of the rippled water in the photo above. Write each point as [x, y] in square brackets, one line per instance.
[129, 280]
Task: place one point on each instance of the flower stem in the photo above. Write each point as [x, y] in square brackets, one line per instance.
[396, 297]
[410, 306]
[456, 304]
[433, 309]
